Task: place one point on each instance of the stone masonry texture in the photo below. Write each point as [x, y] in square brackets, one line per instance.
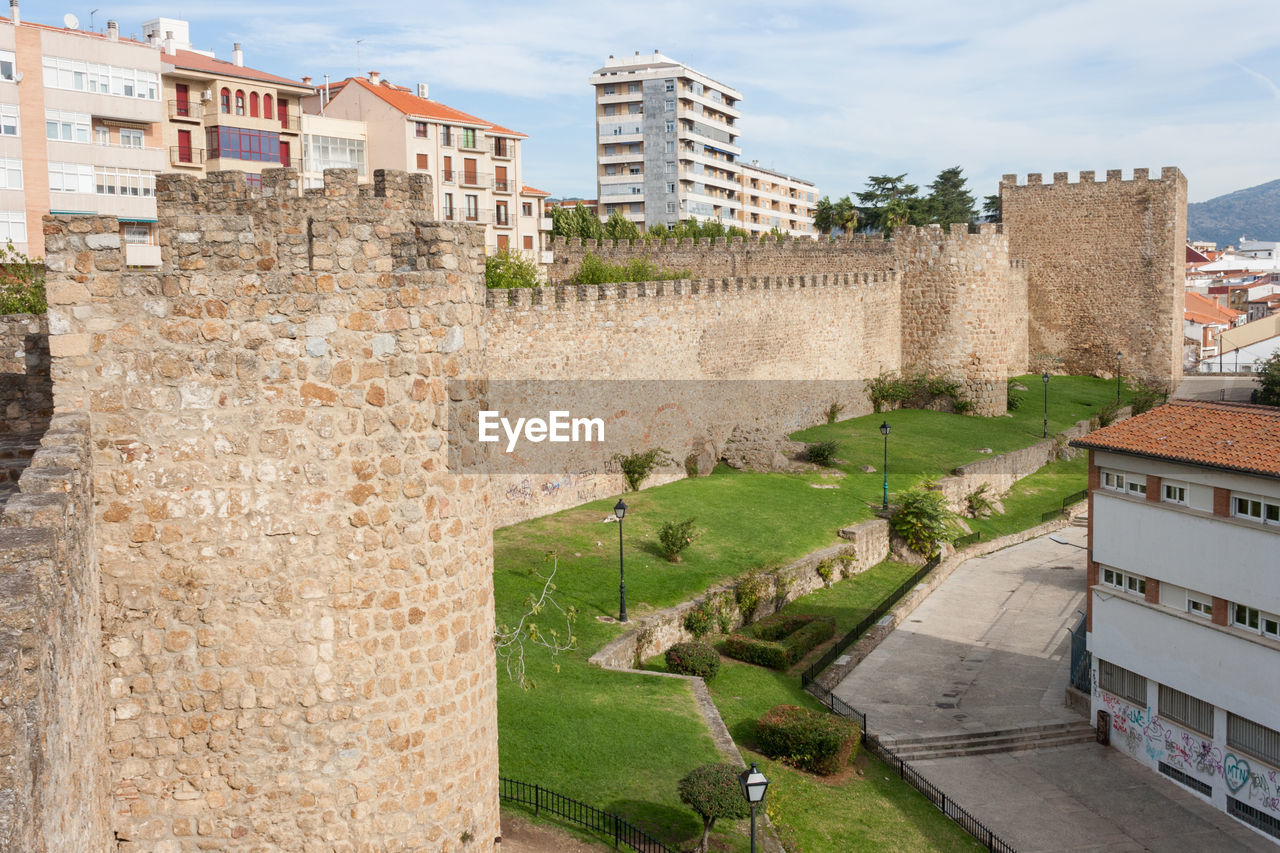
[296, 597]
[1106, 271]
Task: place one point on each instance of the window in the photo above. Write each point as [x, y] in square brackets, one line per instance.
[420, 129]
[632, 88]
[609, 149]
[66, 126]
[70, 178]
[446, 136]
[11, 174]
[421, 162]
[224, 100]
[1257, 740]
[469, 171]
[254, 180]
[500, 213]
[1173, 493]
[1124, 581]
[6, 70]
[334, 152]
[608, 90]
[1266, 510]
[528, 241]
[8, 119]
[109, 180]
[1135, 487]
[500, 182]
[243, 144]
[102, 135]
[669, 105]
[267, 109]
[130, 138]
[1200, 605]
[13, 226]
[526, 208]
[608, 109]
[671, 188]
[447, 173]
[1112, 480]
[448, 205]
[633, 169]
[670, 85]
[285, 158]
[671, 127]
[181, 99]
[184, 146]
[1123, 683]
[468, 137]
[80, 76]
[473, 208]
[282, 110]
[239, 102]
[610, 169]
[637, 208]
[1244, 617]
[634, 109]
[671, 146]
[671, 207]
[1186, 710]
[504, 241]
[137, 233]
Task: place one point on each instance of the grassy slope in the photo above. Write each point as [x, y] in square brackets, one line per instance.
[621, 741]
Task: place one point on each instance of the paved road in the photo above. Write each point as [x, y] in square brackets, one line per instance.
[988, 650]
[1211, 387]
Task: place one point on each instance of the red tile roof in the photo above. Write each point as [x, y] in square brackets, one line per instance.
[191, 61]
[1230, 436]
[1202, 309]
[527, 190]
[410, 104]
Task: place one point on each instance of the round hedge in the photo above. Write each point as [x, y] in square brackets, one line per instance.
[813, 741]
[693, 659]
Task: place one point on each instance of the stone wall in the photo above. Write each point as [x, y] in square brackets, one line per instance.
[1106, 270]
[53, 782]
[296, 595]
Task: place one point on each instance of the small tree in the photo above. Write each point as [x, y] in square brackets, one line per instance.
[675, 536]
[712, 791]
[1269, 377]
[505, 269]
[21, 283]
[637, 466]
[923, 519]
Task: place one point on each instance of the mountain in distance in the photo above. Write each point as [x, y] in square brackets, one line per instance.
[1253, 213]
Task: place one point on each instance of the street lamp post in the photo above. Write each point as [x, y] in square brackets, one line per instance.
[1118, 356]
[884, 430]
[620, 510]
[1046, 403]
[754, 784]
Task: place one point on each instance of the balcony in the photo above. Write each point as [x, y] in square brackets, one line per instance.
[502, 148]
[186, 111]
[504, 185]
[181, 155]
[502, 219]
[458, 214]
[473, 144]
[474, 179]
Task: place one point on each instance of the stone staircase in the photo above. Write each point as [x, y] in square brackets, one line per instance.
[1040, 736]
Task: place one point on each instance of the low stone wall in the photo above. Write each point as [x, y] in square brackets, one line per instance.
[26, 394]
[53, 792]
[869, 544]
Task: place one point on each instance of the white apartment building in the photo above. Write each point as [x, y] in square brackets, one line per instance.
[333, 143]
[475, 165]
[773, 200]
[1183, 610]
[666, 142]
[80, 132]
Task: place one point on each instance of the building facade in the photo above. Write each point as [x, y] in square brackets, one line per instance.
[80, 132]
[475, 165]
[221, 115]
[773, 200]
[333, 143]
[1183, 610]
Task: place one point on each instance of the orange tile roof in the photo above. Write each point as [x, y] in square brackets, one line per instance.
[528, 190]
[1202, 309]
[410, 104]
[1230, 436]
[191, 61]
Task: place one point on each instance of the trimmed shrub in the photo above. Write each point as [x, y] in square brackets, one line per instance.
[821, 453]
[674, 537]
[813, 741]
[759, 652]
[778, 641]
[693, 659]
[713, 791]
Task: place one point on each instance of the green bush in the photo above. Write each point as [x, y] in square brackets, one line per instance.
[1148, 395]
[977, 504]
[764, 653]
[674, 537]
[594, 270]
[701, 619]
[693, 659]
[833, 412]
[749, 593]
[21, 283]
[915, 391]
[923, 519]
[505, 270]
[821, 453]
[814, 741]
[826, 570]
[1108, 414]
[778, 641]
[637, 466]
[1014, 398]
[1268, 372]
[713, 791]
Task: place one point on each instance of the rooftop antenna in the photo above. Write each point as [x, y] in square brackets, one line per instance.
[91, 14]
[358, 66]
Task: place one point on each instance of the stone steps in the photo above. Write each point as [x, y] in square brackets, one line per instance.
[918, 748]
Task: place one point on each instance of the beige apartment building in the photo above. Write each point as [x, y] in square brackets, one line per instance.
[773, 200]
[475, 165]
[80, 132]
[221, 115]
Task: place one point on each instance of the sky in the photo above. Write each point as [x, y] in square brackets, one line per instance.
[833, 92]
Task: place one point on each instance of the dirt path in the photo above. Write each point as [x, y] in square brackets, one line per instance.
[521, 836]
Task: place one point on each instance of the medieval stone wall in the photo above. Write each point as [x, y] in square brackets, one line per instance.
[1106, 270]
[53, 782]
[296, 595]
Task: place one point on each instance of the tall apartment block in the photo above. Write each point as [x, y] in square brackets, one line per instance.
[80, 132]
[1183, 607]
[668, 149]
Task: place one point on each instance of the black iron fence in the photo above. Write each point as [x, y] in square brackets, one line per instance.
[607, 823]
[1073, 498]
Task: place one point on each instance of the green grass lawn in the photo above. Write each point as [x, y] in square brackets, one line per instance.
[620, 741]
[1035, 495]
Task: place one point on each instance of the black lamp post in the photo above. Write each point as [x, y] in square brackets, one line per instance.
[620, 510]
[1118, 356]
[884, 430]
[754, 784]
[1046, 403]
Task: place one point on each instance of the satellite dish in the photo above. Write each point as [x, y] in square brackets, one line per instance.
[70, 21]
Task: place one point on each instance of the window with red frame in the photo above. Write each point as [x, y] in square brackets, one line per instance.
[253, 104]
[239, 102]
[224, 99]
[282, 107]
[267, 111]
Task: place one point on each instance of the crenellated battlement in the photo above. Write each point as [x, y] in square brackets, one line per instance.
[1035, 179]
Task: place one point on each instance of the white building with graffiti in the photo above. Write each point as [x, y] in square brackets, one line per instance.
[1183, 610]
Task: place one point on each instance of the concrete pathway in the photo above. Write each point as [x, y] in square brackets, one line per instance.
[989, 650]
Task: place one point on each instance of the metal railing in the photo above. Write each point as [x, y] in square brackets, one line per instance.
[597, 820]
[501, 148]
[186, 110]
[181, 155]
[1073, 498]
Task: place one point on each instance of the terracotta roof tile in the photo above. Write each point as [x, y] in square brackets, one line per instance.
[410, 104]
[191, 61]
[528, 190]
[1230, 436]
